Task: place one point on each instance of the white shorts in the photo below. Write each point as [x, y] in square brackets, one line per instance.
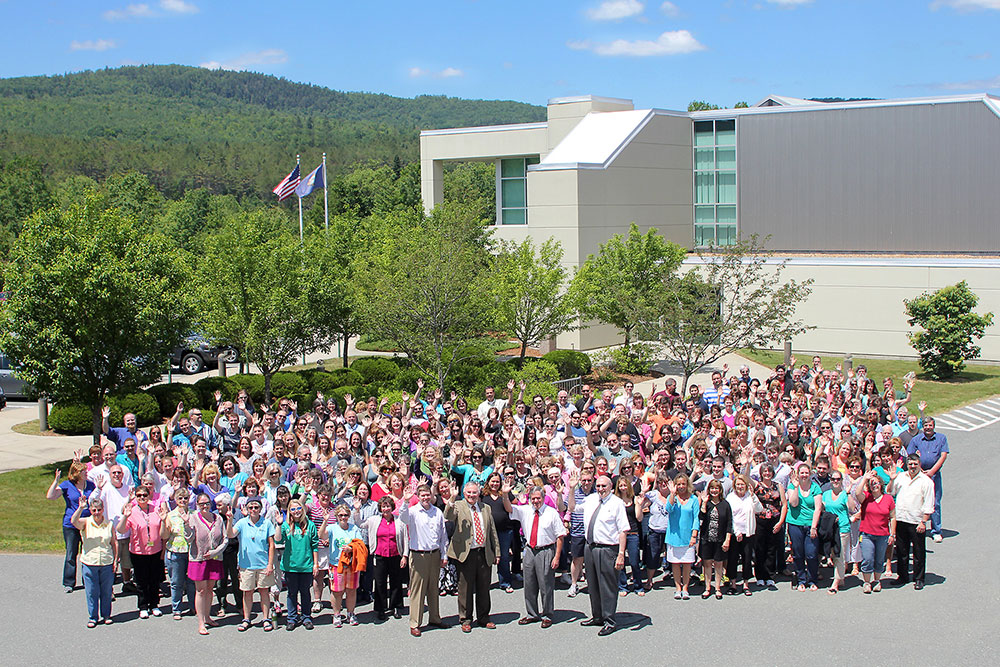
[324, 558]
[680, 554]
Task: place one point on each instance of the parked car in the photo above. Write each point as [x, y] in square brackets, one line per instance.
[197, 354]
[11, 386]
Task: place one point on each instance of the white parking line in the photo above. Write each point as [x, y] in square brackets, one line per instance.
[971, 417]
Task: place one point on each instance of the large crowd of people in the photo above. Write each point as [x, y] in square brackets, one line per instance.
[815, 476]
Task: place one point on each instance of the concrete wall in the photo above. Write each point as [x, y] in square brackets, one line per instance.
[918, 178]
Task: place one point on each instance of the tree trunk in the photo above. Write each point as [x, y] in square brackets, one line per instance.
[628, 338]
[347, 339]
[524, 351]
[684, 384]
[267, 386]
[95, 411]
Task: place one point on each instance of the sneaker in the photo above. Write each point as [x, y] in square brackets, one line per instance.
[678, 596]
[157, 613]
[761, 583]
[143, 614]
[770, 582]
[337, 621]
[566, 579]
[317, 607]
[685, 595]
[938, 539]
[307, 624]
[290, 626]
[572, 591]
[352, 619]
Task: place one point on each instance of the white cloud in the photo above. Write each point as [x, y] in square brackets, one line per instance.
[974, 84]
[132, 11]
[263, 57]
[446, 73]
[179, 7]
[670, 9]
[614, 10]
[91, 45]
[789, 4]
[966, 5]
[668, 44]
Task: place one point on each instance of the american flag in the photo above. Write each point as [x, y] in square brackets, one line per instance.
[286, 188]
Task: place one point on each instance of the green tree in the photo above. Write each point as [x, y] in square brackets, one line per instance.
[426, 286]
[700, 105]
[529, 291]
[23, 190]
[617, 285]
[734, 298]
[264, 294]
[741, 105]
[949, 328]
[94, 303]
[473, 184]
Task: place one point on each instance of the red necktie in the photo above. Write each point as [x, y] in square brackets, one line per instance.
[533, 538]
[480, 536]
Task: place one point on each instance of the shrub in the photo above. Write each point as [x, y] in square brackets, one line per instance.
[406, 380]
[252, 383]
[286, 383]
[326, 382]
[138, 402]
[169, 395]
[636, 360]
[949, 327]
[539, 376]
[71, 419]
[338, 393]
[570, 363]
[207, 387]
[376, 369]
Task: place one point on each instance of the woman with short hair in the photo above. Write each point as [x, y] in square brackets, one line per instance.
[207, 543]
[343, 579]
[145, 545]
[100, 553]
[388, 547]
[878, 528]
[176, 537]
[746, 506]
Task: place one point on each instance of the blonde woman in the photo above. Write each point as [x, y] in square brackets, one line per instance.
[299, 562]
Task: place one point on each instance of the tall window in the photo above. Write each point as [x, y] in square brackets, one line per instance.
[714, 182]
[512, 190]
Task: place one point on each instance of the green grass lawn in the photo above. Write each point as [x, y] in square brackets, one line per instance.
[28, 522]
[975, 384]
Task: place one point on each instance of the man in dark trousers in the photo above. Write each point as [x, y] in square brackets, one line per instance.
[476, 548]
[606, 530]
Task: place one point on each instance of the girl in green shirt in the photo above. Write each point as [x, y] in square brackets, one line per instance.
[299, 562]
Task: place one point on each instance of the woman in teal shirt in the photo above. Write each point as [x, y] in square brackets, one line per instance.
[838, 502]
[340, 536]
[299, 562]
[682, 532]
[805, 505]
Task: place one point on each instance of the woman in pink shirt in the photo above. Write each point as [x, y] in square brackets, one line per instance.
[878, 528]
[145, 546]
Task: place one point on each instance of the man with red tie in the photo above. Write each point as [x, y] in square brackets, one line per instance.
[545, 532]
[475, 547]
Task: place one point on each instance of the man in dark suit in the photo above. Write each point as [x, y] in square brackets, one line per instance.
[476, 548]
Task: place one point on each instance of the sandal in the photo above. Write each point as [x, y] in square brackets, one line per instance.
[177, 617]
[268, 625]
[244, 625]
[833, 591]
[746, 591]
[707, 594]
[91, 624]
[877, 588]
[867, 588]
[202, 631]
[718, 595]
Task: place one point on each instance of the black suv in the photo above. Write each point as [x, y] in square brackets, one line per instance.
[196, 355]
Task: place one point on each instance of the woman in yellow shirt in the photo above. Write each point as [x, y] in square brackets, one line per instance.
[99, 559]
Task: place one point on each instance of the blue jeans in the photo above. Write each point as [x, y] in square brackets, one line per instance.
[97, 583]
[71, 536]
[177, 564]
[873, 549]
[632, 560]
[936, 514]
[805, 552]
[506, 538]
[299, 600]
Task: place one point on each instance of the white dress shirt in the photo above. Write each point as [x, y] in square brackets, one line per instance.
[744, 513]
[914, 496]
[550, 524]
[611, 518]
[426, 527]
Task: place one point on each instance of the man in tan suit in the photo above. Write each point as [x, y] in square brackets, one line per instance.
[476, 548]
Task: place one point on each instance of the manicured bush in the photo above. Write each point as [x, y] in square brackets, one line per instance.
[325, 382]
[287, 383]
[570, 363]
[252, 383]
[169, 395]
[71, 419]
[207, 387]
[376, 369]
[138, 402]
[338, 393]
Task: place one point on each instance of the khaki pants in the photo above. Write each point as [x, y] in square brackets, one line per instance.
[425, 568]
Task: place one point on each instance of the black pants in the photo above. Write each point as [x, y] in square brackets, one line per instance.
[907, 537]
[768, 548]
[230, 581]
[386, 570]
[474, 575]
[148, 573]
[740, 551]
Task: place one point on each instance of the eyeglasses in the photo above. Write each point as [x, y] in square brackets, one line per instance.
[836, 479]
[204, 503]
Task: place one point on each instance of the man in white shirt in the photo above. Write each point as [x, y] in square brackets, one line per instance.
[491, 402]
[913, 492]
[428, 554]
[101, 472]
[606, 531]
[545, 533]
[115, 496]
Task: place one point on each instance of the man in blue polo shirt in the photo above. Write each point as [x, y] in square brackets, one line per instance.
[933, 450]
[117, 435]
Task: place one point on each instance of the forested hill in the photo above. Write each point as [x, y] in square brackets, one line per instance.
[231, 132]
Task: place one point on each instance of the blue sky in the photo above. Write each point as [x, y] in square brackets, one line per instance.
[660, 54]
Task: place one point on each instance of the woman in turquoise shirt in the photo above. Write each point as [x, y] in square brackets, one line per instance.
[682, 532]
[340, 535]
[838, 502]
[805, 505]
[299, 562]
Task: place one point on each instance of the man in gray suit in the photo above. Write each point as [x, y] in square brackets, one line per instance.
[476, 548]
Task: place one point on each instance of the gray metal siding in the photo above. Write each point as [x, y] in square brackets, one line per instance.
[897, 179]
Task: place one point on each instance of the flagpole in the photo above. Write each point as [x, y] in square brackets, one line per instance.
[326, 203]
[300, 203]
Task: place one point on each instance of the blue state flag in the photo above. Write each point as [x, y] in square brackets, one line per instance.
[314, 181]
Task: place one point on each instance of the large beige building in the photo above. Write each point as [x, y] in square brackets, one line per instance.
[877, 201]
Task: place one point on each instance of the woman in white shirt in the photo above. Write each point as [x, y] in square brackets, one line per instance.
[745, 506]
